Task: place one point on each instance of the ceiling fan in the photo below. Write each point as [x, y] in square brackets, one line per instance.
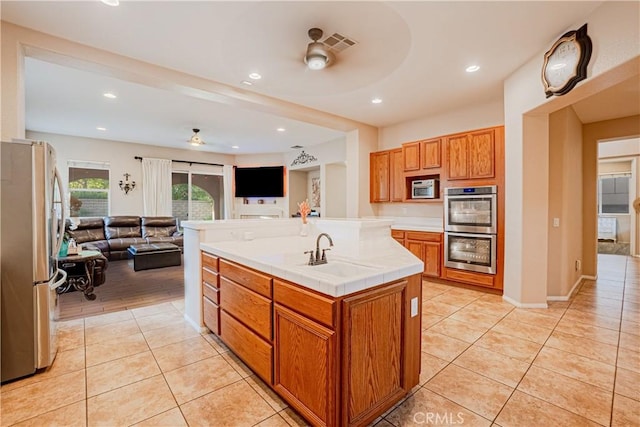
[321, 54]
[195, 139]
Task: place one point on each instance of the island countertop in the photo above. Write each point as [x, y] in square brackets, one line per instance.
[352, 265]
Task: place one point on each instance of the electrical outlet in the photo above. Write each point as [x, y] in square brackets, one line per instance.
[556, 222]
[578, 265]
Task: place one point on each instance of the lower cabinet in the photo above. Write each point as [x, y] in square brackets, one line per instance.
[338, 361]
[426, 246]
[311, 349]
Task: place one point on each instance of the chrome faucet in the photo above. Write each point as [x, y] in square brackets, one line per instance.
[319, 258]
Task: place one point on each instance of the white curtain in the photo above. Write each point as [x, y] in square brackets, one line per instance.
[156, 187]
[227, 180]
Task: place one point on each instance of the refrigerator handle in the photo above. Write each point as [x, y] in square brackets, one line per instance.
[62, 225]
[60, 282]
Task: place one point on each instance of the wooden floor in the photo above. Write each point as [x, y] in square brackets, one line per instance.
[126, 289]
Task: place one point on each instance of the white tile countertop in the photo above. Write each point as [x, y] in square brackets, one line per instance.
[428, 224]
[363, 256]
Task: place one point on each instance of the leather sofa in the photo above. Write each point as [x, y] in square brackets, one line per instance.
[112, 235]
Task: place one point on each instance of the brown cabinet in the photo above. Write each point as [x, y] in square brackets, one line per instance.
[427, 247]
[396, 183]
[398, 235]
[381, 310]
[305, 368]
[431, 153]
[244, 315]
[411, 156]
[471, 155]
[379, 183]
[210, 293]
[337, 361]
[421, 155]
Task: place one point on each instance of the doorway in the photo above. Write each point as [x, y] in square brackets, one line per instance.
[196, 196]
[617, 189]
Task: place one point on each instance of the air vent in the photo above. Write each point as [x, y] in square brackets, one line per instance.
[296, 147]
[338, 42]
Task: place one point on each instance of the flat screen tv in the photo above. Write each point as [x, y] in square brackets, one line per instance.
[266, 181]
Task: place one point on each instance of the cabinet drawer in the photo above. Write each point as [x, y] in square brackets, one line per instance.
[210, 261]
[250, 308]
[397, 234]
[468, 277]
[316, 307]
[253, 350]
[211, 313]
[211, 292]
[210, 277]
[424, 236]
[253, 280]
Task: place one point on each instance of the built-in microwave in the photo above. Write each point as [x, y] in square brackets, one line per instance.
[424, 189]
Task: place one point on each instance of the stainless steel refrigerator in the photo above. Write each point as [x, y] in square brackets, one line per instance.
[31, 230]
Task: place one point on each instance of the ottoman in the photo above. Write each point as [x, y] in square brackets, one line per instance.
[154, 255]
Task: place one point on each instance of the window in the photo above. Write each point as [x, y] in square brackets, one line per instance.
[88, 188]
[613, 194]
[196, 196]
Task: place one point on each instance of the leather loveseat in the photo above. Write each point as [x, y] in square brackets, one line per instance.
[112, 235]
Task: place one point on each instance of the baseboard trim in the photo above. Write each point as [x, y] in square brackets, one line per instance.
[524, 305]
[573, 290]
[194, 325]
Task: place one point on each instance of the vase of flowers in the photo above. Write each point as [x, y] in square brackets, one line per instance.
[304, 209]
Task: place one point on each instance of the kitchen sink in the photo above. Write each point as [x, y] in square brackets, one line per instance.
[343, 269]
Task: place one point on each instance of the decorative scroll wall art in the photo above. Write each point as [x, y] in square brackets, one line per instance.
[303, 159]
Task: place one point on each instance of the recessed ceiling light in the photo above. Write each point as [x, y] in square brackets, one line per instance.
[101, 128]
[296, 147]
[235, 147]
[281, 129]
[472, 68]
[255, 76]
[109, 95]
[246, 82]
[111, 2]
[376, 101]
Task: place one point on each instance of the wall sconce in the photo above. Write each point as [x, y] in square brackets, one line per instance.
[127, 185]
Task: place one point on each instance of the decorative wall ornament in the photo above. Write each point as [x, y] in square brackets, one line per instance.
[303, 159]
[127, 185]
[315, 192]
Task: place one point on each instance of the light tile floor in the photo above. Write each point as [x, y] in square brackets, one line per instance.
[484, 363]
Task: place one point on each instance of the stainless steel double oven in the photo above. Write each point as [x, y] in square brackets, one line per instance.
[470, 225]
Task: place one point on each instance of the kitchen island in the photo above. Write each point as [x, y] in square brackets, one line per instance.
[339, 341]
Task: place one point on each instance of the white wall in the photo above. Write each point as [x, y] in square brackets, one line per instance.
[613, 29]
[446, 123]
[335, 190]
[120, 156]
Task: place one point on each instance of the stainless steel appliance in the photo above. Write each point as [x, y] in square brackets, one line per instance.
[469, 251]
[470, 228]
[424, 189]
[32, 217]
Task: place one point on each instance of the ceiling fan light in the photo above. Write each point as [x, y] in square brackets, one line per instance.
[195, 139]
[316, 62]
[318, 56]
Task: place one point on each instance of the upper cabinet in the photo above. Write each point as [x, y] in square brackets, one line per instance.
[421, 155]
[430, 150]
[471, 155]
[396, 174]
[379, 168]
[411, 156]
[475, 156]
